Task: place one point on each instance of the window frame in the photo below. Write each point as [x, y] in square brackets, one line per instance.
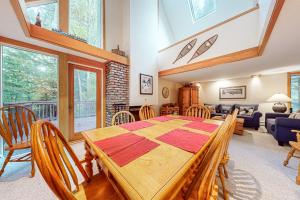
[192, 11]
[36, 3]
[64, 14]
[101, 21]
[289, 79]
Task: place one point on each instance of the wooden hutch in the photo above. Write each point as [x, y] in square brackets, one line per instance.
[188, 96]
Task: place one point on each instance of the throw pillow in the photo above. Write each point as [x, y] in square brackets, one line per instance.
[250, 112]
[297, 116]
[211, 108]
[294, 116]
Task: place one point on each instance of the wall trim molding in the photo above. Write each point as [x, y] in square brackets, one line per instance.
[275, 14]
[232, 57]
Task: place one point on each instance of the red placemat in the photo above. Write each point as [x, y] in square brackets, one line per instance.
[133, 152]
[162, 118]
[188, 118]
[183, 139]
[136, 125]
[202, 126]
[115, 144]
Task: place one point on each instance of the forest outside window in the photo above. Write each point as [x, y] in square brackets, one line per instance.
[29, 79]
[48, 13]
[85, 20]
[294, 82]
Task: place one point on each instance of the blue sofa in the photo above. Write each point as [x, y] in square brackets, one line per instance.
[251, 121]
[280, 126]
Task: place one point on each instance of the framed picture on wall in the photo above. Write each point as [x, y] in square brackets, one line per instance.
[146, 84]
[237, 92]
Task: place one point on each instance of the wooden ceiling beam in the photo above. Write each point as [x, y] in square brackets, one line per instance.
[232, 57]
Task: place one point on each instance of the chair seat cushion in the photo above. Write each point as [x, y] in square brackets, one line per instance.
[98, 188]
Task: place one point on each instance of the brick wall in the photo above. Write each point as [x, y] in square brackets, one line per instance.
[117, 88]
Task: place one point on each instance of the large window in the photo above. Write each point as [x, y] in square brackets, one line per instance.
[295, 91]
[29, 79]
[85, 20]
[48, 14]
[202, 8]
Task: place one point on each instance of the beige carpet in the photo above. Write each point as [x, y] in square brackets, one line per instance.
[256, 172]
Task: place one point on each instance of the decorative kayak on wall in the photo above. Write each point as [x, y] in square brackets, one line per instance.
[185, 50]
[204, 47]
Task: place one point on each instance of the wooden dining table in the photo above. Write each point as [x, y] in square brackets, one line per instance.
[158, 174]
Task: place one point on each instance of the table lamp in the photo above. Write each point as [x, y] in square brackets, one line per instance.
[279, 100]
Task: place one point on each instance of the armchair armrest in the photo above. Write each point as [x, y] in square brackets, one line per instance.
[287, 122]
[257, 114]
[298, 134]
[274, 115]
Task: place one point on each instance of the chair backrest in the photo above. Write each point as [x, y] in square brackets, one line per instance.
[122, 117]
[51, 153]
[15, 124]
[203, 182]
[230, 131]
[146, 112]
[198, 111]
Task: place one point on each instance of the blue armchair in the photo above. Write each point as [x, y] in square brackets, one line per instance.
[252, 121]
[280, 126]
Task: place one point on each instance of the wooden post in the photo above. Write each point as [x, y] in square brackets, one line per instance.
[63, 102]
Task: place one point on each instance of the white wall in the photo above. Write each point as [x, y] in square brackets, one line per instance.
[236, 35]
[117, 24]
[143, 49]
[173, 91]
[258, 90]
[181, 21]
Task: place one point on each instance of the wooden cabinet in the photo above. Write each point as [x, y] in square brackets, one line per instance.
[187, 97]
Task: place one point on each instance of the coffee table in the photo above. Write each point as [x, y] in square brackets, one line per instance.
[239, 127]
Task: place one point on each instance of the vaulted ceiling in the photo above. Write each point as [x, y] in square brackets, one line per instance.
[281, 54]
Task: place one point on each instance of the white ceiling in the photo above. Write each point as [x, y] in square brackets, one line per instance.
[282, 53]
[11, 28]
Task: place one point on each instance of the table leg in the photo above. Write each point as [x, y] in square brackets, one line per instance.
[88, 159]
[298, 177]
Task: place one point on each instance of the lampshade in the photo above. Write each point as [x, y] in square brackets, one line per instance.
[279, 97]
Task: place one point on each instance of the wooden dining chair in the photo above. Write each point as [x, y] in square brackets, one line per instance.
[295, 146]
[222, 171]
[198, 111]
[15, 127]
[203, 185]
[146, 112]
[52, 155]
[122, 117]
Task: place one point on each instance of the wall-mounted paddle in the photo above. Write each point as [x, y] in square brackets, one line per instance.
[186, 49]
[204, 47]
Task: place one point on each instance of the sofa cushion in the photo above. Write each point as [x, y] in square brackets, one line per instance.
[246, 110]
[226, 108]
[271, 125]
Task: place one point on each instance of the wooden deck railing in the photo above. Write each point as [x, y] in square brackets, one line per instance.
[48, 109]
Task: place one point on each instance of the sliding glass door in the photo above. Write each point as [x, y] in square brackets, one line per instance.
[85, 100]
[29, 79]
[294, 90]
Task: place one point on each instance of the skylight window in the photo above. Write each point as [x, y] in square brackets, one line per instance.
[202, 8]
